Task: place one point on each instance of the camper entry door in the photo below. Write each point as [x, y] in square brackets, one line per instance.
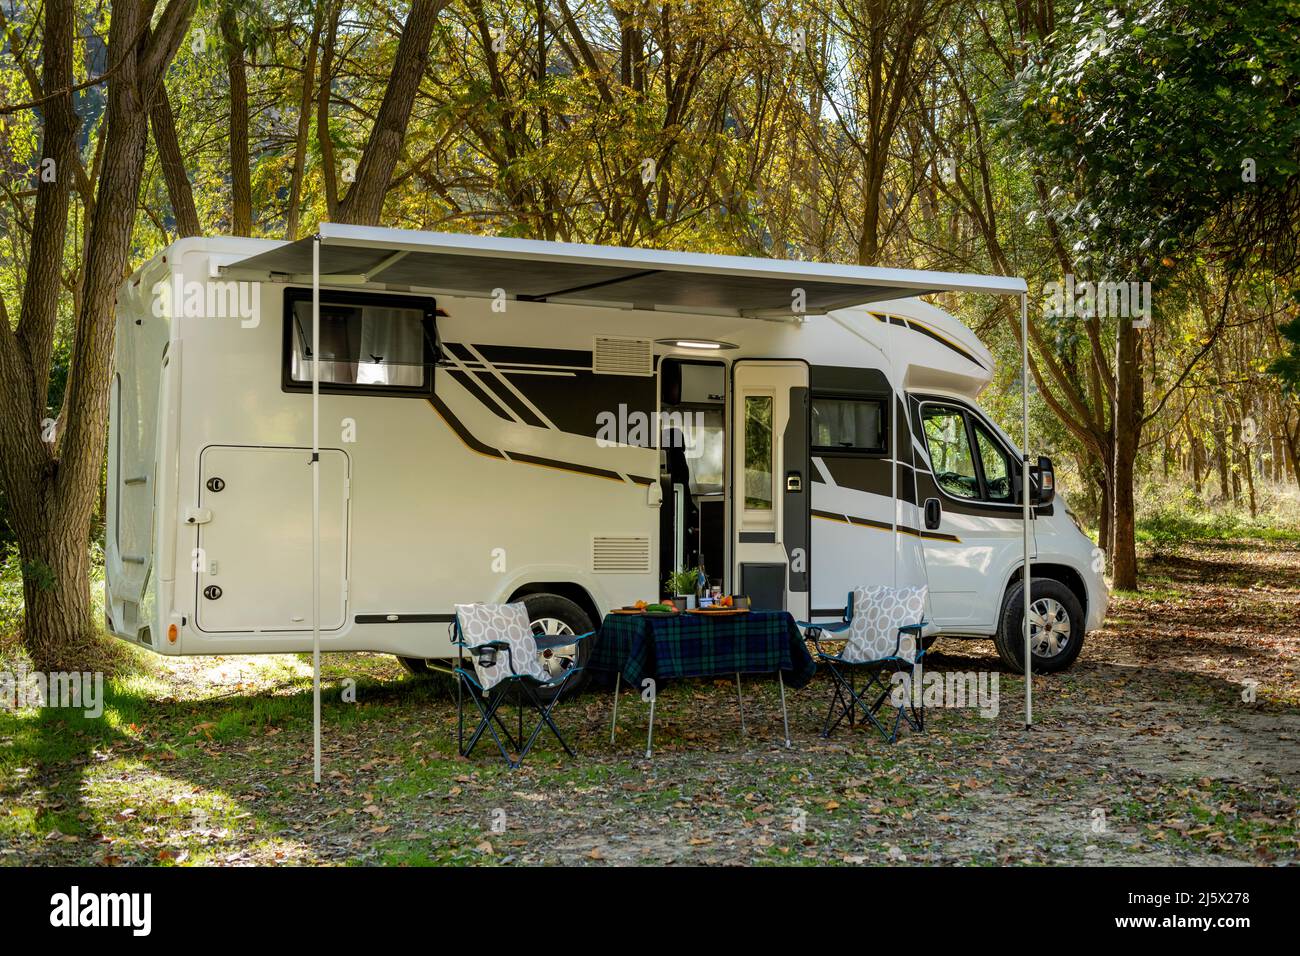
[769, 484]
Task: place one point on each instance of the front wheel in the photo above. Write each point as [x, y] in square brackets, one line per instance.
[1055, 627]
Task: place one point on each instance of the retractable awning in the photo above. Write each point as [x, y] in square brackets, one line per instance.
[656, 279]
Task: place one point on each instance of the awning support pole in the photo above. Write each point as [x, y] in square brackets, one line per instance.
[315, 503]
[1025, 494]
[894, 398]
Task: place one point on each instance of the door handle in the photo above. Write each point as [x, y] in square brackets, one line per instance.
[794, 482]
[933, 513]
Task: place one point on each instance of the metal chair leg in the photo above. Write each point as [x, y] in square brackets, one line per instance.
[618, 680]
[785, 717]
[650, 732]
[741, 701]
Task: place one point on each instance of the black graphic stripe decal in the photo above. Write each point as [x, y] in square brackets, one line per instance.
[467, 437]
[564, 466]
[463, 433]
[883, 526]
[479, 380]
[916, 326]
[472, 386]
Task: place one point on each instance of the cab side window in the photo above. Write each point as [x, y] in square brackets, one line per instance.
[967, 460]
[997, 467]
[950, 452]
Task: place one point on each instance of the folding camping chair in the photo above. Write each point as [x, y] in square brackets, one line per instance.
[506, 662]
[882, 629]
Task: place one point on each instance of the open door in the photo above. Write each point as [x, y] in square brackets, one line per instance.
[769, 484]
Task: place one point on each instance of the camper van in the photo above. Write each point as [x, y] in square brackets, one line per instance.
[566, 425]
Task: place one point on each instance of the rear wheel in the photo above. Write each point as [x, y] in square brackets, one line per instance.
[1055, 627]
[553, 615]
[415, 666]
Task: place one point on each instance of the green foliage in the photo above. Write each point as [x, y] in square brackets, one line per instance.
[685, 581]
[1154, 114]
[1287, 365]
[1172, 516]
[11, 591]
[40, 574]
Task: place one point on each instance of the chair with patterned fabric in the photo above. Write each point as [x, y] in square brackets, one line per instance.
[882, 629]
[504, 654]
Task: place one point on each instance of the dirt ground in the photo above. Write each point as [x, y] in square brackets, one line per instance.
[1174, 739]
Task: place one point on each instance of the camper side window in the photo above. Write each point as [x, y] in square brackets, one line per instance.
[367, 343]
[848, 424]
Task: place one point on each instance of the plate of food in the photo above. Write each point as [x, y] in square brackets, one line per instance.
[723, 605]
[644, 607]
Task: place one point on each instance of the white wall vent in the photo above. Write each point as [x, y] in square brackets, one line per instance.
[622, 356]
[620, 554]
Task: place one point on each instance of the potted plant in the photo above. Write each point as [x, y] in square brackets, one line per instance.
[683, 586]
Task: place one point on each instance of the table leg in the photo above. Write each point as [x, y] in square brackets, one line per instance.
[650, 733]
[618, 679]
[785, 719]
[741, 701]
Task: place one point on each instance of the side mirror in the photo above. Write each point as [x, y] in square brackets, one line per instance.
[1043, 478]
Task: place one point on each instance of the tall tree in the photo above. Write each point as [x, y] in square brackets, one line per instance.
[51, 467]
[364, 202]
[241, 184]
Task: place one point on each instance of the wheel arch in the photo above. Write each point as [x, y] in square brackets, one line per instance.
[1062, 573]
[576, 593]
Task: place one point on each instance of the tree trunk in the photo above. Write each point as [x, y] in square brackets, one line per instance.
[304, 128]
[241, 181]
[1128, 415]
[52, 476]
[1221, 453]
[1196, 465]
[1105, 519]
[328, 173]
[58, 630]
[364, 202]
[179, 191]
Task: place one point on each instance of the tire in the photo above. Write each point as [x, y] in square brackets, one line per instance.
[554, 614]
[1058, 648]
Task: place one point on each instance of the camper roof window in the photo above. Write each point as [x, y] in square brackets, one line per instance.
[848, 425]
[364, 346]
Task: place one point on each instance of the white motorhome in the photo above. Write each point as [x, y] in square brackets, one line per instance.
[506, 419]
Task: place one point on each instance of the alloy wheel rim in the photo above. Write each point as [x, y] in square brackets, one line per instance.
[556, 660]
[1049, 627]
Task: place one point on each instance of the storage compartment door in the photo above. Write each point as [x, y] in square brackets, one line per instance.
[255, 548]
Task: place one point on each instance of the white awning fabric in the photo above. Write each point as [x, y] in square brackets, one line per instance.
[655, 279]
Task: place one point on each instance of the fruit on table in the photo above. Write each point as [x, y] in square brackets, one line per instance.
[659, 608]
[639, 605]
[726, 601]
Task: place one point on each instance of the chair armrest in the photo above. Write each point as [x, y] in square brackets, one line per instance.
[812, 626]
[473, 647]
[815, 631]
[910, 629]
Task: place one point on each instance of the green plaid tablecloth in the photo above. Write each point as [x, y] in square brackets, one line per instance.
[702, 645]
